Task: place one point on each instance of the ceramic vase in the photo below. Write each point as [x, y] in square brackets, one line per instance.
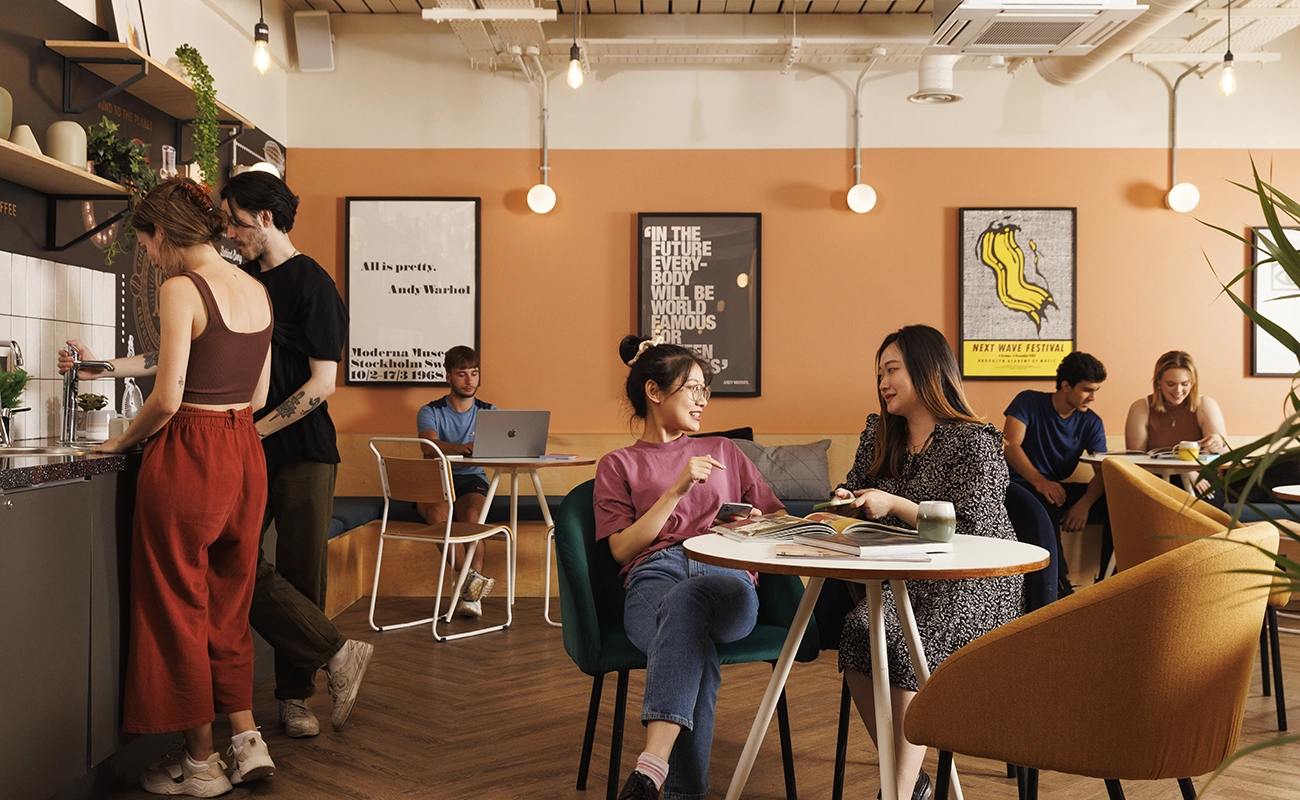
[23, 137]
[66, 141]
[6, 113]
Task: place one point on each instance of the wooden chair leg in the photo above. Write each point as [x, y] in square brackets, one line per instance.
[616, 741]
[842, 742]
[1188, 788]
[1263, 655]
[943, 776]
[1280, 694]
[589, 736]
[787, 748]
[1114, 790]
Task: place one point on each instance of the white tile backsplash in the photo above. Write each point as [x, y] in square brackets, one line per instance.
[42, 304]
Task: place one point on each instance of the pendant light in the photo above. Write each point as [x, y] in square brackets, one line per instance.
[575, 54]
[1228, 81]
[261, 42]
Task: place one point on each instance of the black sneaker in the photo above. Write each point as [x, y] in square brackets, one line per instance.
[921, 790]
[639, 787]
[1064, 588]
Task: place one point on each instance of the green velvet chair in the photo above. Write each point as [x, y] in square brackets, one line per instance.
[591, 600]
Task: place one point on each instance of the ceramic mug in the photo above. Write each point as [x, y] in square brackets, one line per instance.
[117, 426]
[65, 141]
[97, 424]
[936, 520]
[1187, 451]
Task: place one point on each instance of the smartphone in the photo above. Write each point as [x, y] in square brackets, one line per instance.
[834, 501]
[732, 511]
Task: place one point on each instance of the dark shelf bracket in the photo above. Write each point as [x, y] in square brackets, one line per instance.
[68, 61]
[52, 220]
[236, 129]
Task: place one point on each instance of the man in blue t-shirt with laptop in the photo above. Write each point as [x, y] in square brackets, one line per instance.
[1045, 435]
[449, 422]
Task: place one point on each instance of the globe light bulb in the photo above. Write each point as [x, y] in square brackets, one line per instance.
[575, 66]
[541, 198]
[1228, 80]
[261, 47]
[1183, 197]
[862, 198]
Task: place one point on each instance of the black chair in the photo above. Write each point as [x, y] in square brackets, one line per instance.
[1032, 525]
[591, 600]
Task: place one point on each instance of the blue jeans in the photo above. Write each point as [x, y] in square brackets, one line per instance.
[677, 611]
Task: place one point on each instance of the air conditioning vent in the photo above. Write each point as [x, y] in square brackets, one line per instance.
[1008, 27]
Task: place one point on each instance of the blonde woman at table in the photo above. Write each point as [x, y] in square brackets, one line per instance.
[926, 444]
[649, 498]
[1176, 411]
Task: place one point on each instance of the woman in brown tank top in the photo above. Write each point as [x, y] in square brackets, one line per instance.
[200, 499]
[1176, 411]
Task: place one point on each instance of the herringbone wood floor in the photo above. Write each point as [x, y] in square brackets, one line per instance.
[501, 716]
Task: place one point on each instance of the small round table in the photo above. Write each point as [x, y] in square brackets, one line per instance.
[528, 466]
[971, 557]
[1290, 492]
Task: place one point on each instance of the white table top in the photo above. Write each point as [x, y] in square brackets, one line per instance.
[1149, 463]
[1290, 492]
[530, 463]
[971, 557]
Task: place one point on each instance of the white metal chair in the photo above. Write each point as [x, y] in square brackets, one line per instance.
[423, 480]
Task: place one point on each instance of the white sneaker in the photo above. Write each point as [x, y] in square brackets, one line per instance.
[346, 680]
[477, 586]
[469, 608]
[250, 762]
[174, 775]
[298, 720]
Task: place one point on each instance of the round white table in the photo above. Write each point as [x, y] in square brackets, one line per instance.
[527, 466]
[971, 557]
[1290, 492]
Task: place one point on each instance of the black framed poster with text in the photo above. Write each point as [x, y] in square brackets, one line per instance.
[699, 286]
[412, 286]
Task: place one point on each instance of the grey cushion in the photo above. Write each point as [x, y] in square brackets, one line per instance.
[794, 471]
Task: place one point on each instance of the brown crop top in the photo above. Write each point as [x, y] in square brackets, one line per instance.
[224, 365]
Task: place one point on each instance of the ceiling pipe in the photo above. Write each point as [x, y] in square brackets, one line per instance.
[934, 81]
[1182, 197]
[541, 198]
[861, 198]
[1069, 70]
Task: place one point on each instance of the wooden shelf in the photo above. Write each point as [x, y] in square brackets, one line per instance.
[45, 175]
[160, 87]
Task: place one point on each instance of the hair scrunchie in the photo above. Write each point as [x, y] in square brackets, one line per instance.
[653, 341]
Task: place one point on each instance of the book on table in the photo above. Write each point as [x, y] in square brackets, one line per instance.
[830, 532]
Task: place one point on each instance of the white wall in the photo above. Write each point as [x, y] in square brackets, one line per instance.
[415, 75]
[86, 8]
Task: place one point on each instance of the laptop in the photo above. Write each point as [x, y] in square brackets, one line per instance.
[510, 434]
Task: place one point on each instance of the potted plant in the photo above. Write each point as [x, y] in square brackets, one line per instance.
[94, 415]
[12, 383]
[206, 138]
[126, 161]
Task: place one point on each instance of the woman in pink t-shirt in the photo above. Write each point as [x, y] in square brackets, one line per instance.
[649, 498]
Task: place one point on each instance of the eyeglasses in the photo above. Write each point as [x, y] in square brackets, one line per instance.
[697, 392]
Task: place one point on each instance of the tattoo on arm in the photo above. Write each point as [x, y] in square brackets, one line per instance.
[289, 407]
[311, 404]
[151, 360]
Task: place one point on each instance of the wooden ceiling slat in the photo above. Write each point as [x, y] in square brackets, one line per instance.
[876, 6]
[713, 6]
[686, 6]
[822, 6]
[354, 6]
[655, 6]
[601, 6]
[738, 6]
[766, 7]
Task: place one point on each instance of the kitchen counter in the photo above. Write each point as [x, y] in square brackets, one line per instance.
[23, 472]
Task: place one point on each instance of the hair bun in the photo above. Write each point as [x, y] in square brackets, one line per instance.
[628, 347]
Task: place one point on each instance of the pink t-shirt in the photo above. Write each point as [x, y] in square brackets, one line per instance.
[631, 480]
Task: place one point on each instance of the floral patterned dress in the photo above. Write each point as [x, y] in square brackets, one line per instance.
[964, 465]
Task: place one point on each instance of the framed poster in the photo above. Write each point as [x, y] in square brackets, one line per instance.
[1273, 293]
[128, 17]
[698, 278]
[412, 286]
[1016, 291]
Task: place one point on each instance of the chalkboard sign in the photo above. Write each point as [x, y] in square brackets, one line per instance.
[412, 286]
[699, 287]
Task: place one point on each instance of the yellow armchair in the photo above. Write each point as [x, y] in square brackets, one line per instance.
[1141, 677]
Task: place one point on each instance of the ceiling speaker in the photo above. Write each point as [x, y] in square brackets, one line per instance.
[315, 44]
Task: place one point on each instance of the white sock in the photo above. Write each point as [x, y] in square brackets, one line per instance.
[197, 766]
[237, 741]
[339, 659]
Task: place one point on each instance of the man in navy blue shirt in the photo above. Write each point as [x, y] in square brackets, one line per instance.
[449, 422]
[1045, 434]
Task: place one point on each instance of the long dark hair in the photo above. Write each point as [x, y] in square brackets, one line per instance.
[668, 365]
[937, 381]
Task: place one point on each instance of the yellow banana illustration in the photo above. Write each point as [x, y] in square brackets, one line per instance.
[999, 251]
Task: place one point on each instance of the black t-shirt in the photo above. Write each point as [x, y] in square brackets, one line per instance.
[310, 322]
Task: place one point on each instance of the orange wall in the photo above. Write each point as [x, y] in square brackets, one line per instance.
[559, 290]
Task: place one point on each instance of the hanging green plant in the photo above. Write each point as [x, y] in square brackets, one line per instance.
[11, 387]
[206, 139]
[126, 161]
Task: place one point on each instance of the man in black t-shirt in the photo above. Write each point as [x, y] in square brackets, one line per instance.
[301, 455]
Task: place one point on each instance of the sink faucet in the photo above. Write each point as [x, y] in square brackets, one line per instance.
[68, 432]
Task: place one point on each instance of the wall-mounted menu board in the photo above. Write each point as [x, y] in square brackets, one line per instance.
[412, 286]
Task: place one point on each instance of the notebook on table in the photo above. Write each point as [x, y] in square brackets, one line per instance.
[500, 433]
